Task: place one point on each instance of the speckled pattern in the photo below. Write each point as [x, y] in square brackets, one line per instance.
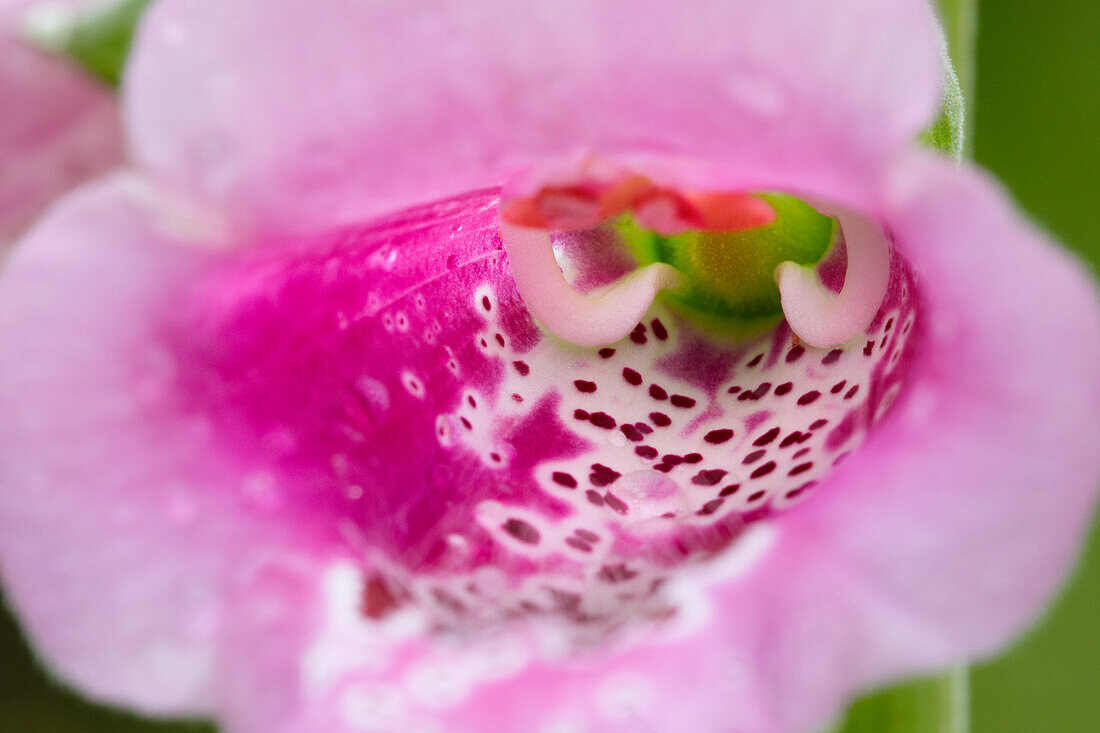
[485, 470]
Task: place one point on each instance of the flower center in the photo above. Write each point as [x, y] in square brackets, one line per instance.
[729, 275]
[736, 262]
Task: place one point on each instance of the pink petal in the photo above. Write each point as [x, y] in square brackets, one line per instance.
[59, 127]
[991, 464]
[113, 549]
[368, 107]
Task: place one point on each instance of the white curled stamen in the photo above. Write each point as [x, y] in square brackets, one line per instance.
[579, 319]
[824, 319]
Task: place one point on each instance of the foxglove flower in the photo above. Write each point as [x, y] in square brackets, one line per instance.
[584, 366]
[59, 126]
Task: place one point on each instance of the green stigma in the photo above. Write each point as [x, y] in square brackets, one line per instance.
[730, 276]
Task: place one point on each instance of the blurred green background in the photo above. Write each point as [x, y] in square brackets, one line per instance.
[1037, 126]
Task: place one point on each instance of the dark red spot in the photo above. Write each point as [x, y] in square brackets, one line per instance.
[838, 386]
[646, 451]
[731, 489]
[632, 433]
[632, 376]
[616, 504]
[820, 423]
[753, 457]
[693, 458]
[801, 489]
[577, 544]
[718, 436]
[602, 475]
[516, 397]
[594, 497]
[801, 468]
[832, 357]
[583, 386]
[800, 452]
[643, 428]
[616, 573]
[733, 390]
[466, 423]
[763, 470]
[659, 329]
[710, 507]
[708, 478]
[602, 420]
[522, 531]
[889, 325]
[809, 397]
[767, 437]
[660, 419]
[638, 334]
[471, 400]
[679, 400]
[500, 339]
[587, 536]
[673, 460]
[757, 496]
[663, 467]
[794, 437]
[783, 389]
[657, 392]
[564, 479]
[760, 391]
[580, 414]
[755, 360]
[522, 368]
[795, 354]
[485, 303]
[378, 600]
[852, 392]
[868, 348]
[607, 352]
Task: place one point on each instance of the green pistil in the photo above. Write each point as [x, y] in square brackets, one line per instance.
[730, 276]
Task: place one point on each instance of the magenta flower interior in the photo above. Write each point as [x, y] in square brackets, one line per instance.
[584, 367]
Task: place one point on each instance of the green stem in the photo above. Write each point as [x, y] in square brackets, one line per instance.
[960, 24]
[931, 705]
[97, 39]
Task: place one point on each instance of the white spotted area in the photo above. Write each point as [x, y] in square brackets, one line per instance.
[676, 471]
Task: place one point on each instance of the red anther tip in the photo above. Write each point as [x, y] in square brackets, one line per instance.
[730, 212]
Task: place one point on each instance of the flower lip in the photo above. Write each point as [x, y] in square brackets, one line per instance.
[816, 315]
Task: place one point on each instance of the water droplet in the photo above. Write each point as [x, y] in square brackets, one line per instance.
[650, 496]
[375, 393]
[259, 488]
[182, 508]
[757, 94]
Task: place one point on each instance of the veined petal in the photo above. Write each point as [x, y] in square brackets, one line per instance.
[372, 106]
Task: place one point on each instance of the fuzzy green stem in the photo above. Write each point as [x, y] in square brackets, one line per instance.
[931, 705]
